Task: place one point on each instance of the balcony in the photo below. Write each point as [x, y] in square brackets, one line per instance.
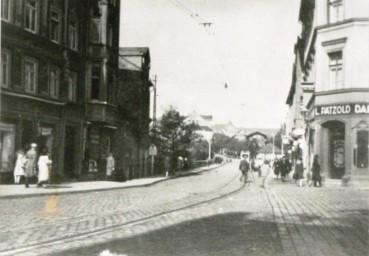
[98, 111]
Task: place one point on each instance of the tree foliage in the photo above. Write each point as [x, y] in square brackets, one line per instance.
[173, 136]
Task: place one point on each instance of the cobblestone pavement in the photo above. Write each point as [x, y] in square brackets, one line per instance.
[33, 221]
[206, 214]
[320, 221]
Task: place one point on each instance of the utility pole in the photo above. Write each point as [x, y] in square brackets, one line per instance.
[154, 107]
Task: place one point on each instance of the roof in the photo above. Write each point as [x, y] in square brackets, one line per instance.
[268, 149]
[203, 123]
[257, 132]
[133, 51]
[207, 117]
[131, 58]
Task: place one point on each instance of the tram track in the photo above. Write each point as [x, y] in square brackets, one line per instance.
[152, 213]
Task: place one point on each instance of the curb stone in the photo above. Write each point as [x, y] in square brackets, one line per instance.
[106, 189]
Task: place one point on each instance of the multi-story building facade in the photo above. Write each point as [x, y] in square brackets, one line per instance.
[335, 43]
[133, 101]
[59, 72]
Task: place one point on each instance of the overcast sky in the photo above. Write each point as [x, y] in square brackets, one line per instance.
[249, 46]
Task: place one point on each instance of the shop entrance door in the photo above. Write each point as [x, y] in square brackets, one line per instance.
[336, 148]
[69, 153]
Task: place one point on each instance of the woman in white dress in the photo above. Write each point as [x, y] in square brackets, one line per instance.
[44, 165]
[20, 165]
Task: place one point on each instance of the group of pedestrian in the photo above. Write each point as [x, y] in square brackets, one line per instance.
[282, 167]
[29, 165]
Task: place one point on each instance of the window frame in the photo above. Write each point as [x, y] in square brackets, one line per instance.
[73, 76]
[97, 77]
[59, 22]
[54, 89]
[338, 9]
[336, 67]
[8, 68]
[73, 44]
[9, 10]
[35, 79]
[36, 18]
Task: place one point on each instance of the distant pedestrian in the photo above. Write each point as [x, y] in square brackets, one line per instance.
[44, 166]
[20, 166]
[285, 168]
[277, 167]
[30, 170]
[244, 168]
[317, 179]
[110, 166]
[299, 171]
[167, 166]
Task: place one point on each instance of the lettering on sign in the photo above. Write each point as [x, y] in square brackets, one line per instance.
[343, 109]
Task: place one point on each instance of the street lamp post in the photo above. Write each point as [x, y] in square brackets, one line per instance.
[154, 105]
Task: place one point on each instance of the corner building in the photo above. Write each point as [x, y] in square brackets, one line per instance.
[335, 45]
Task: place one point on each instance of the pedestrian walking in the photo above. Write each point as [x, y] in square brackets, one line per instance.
[277, 167]
[44, 166]
[167, 166]
[285, 168]
[30, 169]
[244, 168]
[110, 166]
[299, 171]
[317, 179]
[20, 166]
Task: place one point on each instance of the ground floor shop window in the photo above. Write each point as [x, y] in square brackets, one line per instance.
[361, 152]
[7, 136]
[46, 139]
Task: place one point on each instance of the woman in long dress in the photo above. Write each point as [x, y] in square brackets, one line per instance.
[44, 164]
[20, 165]
[299, 171]
[316, 172]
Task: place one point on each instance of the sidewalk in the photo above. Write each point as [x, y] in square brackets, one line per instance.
[270, 180]
[14, 191]
[331, 220]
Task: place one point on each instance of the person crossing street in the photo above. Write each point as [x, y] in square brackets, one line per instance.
[244, 168]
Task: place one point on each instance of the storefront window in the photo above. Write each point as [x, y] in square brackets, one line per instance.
[7, 136]
[361, 153]
[46, 138]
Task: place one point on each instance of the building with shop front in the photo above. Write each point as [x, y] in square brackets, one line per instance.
[59, 75]
[335, 61]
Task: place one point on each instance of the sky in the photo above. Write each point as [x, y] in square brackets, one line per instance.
[249, 47]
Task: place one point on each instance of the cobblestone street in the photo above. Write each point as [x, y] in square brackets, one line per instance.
[211, 213]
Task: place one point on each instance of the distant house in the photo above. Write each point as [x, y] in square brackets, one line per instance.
[203, 121]
[261, 138]
[266, 152]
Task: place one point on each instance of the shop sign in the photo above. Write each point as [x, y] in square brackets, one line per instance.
[342, 109]
[153, 151]
[45, 131]
[6, 127]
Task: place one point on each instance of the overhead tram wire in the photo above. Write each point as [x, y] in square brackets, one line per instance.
[210, 31]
